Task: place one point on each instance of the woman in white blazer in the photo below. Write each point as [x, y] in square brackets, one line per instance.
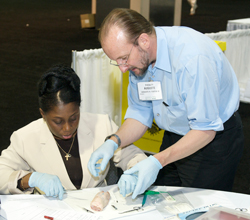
[52, 153]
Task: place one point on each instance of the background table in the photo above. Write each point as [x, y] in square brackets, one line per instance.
[238, 24]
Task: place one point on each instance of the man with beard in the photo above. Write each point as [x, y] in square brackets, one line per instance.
[182, 79]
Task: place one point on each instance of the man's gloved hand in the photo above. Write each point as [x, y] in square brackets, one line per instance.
[49, 184]
[104, 152]
[148, 170]
[127, 183]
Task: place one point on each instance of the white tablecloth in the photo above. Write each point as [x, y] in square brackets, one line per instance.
[238, 24]
[196, 197]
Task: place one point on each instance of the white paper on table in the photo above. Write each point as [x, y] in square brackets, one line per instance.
[203, 197]
[35, 207]
[83, 198]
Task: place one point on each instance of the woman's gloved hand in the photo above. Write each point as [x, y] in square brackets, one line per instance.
[49, 184]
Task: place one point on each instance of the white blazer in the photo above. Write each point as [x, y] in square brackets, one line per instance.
[33, 148]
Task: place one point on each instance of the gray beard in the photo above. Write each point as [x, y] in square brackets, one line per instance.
[144, 61]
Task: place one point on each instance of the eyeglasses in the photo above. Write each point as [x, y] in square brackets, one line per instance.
[122, 61]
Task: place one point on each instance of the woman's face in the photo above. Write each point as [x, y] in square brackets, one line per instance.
[62, 119]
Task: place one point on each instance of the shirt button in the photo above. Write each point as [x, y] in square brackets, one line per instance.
[158, 114]
[153, 76]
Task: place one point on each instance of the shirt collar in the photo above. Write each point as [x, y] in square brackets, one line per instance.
[162, 57]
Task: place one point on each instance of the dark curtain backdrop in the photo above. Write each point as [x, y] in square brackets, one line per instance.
[35, 35]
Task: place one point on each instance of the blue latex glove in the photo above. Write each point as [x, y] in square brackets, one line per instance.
[49, 184]
[127, 183]
[104, 152]
[148, 170]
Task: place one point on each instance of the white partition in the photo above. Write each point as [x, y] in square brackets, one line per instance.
[100, 83]
[238, 54]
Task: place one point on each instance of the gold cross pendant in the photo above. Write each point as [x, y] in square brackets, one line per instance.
[67, 156]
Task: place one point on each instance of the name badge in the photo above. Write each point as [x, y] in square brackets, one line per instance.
[149, 91]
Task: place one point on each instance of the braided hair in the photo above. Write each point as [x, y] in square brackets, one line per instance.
[59, 84]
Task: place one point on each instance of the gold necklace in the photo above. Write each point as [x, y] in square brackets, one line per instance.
[67, 154]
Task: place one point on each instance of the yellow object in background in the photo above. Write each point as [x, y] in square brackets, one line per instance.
[151, 140]
[221, 44]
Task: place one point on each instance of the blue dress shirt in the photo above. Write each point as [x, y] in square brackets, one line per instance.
[199, 87]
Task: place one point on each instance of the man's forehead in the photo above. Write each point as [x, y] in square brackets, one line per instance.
[115, 44]
[116, 34]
